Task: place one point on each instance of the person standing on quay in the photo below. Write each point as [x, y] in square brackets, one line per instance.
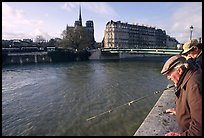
[192, 51]
[188, 81]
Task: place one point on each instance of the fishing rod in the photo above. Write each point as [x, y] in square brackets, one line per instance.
[130, 102]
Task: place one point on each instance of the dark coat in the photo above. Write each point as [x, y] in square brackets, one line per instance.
[189, 102]
[197, 61]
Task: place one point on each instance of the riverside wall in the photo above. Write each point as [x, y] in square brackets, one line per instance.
[97, 54]
[157, 122]
[25, 58]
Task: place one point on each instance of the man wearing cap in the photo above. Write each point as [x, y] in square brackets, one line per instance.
[188, 81]
[192, 50]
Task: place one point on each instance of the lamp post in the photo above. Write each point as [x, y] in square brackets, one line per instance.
[191, 31]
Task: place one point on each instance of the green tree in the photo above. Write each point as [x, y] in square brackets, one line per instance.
[76, 38]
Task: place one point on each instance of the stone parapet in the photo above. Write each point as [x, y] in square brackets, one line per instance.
[157, 122]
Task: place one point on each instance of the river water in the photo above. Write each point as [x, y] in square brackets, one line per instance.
[57, 99]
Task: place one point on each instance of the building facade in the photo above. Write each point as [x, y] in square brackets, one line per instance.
[171, 43]
[124, 35]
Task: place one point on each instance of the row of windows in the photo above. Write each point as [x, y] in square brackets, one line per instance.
[136, 28]
[135, 32]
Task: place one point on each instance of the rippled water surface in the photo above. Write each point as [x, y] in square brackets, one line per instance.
[57, 99]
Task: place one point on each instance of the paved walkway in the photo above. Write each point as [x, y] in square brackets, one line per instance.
[158, 123]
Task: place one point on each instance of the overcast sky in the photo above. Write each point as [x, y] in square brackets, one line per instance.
[22, 20]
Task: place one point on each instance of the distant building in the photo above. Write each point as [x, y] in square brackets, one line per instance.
[124, 35]
[28, 40]
[16, 43]
[171, 43]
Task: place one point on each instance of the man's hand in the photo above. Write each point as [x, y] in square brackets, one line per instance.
[171, 111]
[173, 134]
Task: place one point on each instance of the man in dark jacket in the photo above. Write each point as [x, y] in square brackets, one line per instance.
[192, 50]
[188, 80]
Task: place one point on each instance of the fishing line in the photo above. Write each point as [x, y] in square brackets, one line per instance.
[130, 102]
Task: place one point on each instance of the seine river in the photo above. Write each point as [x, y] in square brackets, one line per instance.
[57, 99]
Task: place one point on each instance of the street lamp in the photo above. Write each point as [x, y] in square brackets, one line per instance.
[191, 31]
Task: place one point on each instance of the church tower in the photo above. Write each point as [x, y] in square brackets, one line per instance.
[80, 19]
[79, 22]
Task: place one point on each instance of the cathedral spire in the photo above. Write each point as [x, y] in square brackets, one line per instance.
[80, 19]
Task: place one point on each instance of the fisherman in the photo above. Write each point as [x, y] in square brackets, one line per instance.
[188, 81]
[192, 51]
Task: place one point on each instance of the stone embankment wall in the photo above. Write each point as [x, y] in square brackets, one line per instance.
[157, 122]
[96, 54]
[27, 58]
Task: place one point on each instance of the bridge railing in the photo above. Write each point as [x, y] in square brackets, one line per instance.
[142, 51]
